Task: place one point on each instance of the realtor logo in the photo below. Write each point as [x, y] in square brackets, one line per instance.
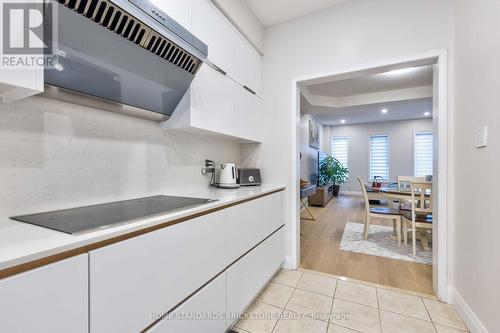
[28, 33]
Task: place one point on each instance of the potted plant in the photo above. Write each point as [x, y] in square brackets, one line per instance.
[331, 171]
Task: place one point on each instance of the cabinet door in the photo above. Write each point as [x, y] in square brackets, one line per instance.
[209, 301]
[49, 299]
[247, 114]
[179, 10]
[244, 228]
[273, 255]
[247, 65]
[133, 281]
[244, 281]
[209, 25]
[273, 212]
[212, 101]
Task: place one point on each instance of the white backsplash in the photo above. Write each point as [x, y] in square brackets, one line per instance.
[55, 155]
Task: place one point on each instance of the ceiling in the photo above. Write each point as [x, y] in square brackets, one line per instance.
[404, 79]
[271, 12]
[371, 113]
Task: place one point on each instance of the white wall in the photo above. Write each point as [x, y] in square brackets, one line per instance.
[56, 155]
[476, 246]
[242, 16]
[309, 160]
[345, 35]
[401, 134]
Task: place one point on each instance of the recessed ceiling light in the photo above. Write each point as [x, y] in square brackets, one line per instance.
[401, 71]
[342, 121]
[427, 113]
[384, 111]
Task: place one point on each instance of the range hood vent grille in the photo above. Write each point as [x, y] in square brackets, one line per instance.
[114, 18]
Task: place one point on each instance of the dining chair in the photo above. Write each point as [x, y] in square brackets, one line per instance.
[420, 215]
[387, 213]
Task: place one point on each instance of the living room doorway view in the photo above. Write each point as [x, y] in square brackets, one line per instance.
[367, 160]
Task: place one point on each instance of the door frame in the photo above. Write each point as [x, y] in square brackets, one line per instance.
[438, 58]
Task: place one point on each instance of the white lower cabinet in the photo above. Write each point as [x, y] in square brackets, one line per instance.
[244, 281]
[272, 208]
[203, 312]
[49, 299]
[245, 228]
[133, 281]
[273, 250]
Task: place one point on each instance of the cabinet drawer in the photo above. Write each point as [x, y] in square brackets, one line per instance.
[49, 299]
[134, 280]
[273, 254]
[209, 301]
[244, 228]
[272, 212]
[244, 281]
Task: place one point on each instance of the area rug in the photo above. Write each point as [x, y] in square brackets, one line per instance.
[380, 243]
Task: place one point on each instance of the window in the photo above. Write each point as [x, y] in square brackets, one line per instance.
[423, 154]
[379, 156]
[340, 150]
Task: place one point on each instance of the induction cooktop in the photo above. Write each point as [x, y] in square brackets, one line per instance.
[80, 220]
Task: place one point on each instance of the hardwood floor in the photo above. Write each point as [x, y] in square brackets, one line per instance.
[320, 243]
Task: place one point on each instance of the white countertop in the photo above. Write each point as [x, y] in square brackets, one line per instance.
[22, 242]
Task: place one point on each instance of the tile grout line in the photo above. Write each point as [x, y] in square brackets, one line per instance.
[284, 308]
[331, 307]
[379, 314]
[429, 314]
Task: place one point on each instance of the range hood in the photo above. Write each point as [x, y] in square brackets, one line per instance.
[122, 56]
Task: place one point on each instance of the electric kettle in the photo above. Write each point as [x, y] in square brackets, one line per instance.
[227, 176]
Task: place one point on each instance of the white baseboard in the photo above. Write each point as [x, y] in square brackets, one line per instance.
[465, 312]
[350, 193]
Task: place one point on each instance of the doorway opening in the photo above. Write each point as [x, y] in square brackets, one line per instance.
[378, 121]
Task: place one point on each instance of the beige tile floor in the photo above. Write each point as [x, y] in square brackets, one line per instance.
[312, 302]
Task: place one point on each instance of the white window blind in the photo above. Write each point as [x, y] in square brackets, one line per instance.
[423, 154]
[379, 156]
[340, 150]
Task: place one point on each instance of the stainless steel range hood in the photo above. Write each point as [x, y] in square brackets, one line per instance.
[122, 56]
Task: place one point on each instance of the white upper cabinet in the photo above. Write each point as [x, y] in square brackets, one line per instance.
[49, 299]
[208, 105]
[179, 10]
[248, 65]
[209, 25]
[19, 83]
[247, 114]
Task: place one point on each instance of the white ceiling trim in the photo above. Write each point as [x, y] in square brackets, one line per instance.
[365, 99]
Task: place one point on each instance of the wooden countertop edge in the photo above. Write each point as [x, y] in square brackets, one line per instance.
[89, 247]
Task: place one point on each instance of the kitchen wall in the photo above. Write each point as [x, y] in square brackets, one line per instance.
[309, 160]
[55, 155]
[348, 34]
[476, 227]
[401, 134]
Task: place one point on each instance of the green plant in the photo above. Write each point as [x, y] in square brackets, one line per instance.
[332, 171]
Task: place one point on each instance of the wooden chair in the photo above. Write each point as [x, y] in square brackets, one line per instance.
[381, 213]
[420, 215]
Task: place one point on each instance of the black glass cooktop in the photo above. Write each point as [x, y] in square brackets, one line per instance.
[84, 219]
